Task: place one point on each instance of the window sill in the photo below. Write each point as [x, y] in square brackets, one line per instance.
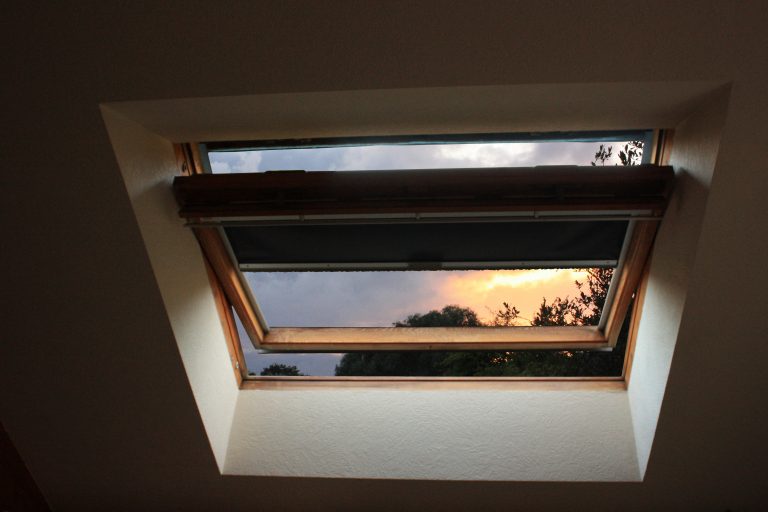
[438, 383]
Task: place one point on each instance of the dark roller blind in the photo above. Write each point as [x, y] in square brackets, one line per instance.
[429, 243]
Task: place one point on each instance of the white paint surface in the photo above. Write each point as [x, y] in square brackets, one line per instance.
[695, 145]
[436, 435]
[148, 165]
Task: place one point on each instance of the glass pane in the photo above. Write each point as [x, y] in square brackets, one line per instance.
[528, 363]
[386, 298]
[427, 156]
[562, 301]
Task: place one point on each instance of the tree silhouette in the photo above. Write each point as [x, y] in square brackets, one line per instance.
[418, 363]
[281, 369]
[630, 154]
[451, 316]
[584, 309]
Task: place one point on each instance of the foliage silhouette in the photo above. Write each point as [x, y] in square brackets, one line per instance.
[584, 309]
[281, 369]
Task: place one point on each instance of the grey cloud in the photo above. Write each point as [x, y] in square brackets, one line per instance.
[333, 299]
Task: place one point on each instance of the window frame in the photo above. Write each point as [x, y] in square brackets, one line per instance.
[233, 294]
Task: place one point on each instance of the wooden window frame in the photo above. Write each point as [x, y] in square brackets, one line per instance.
[232, 292]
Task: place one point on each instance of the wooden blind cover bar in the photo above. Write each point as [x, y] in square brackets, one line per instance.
[556, 188]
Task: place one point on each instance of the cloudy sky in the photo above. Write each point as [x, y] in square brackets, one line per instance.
[380, 298]
[377, 299]
[423, 156]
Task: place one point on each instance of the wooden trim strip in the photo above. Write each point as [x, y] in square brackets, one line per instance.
[664, 153]
[629, 279]
[195, 158]
[634, 326]
[188, 158]
[229, 326]
[182, 159]
[614, 384]
[218, 257]
[432, 338]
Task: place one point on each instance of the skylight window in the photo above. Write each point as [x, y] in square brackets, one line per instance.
[350, 253]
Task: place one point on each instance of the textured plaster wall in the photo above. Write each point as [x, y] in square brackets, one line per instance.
[434, 435]
[694, 154]
[148, 165]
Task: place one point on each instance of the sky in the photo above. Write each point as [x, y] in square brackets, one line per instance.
[424, 156]
[377, 299]
[305, 299]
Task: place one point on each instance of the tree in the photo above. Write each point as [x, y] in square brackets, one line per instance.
[631, 154]
[451, 316]
[584, 309]
[421, 363]
[281, 369]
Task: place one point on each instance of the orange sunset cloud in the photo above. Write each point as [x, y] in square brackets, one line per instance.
[486, 290]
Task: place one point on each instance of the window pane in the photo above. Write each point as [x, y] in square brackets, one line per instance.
[313, 298]
[528, 363]
[421, 156]
[384, 298]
